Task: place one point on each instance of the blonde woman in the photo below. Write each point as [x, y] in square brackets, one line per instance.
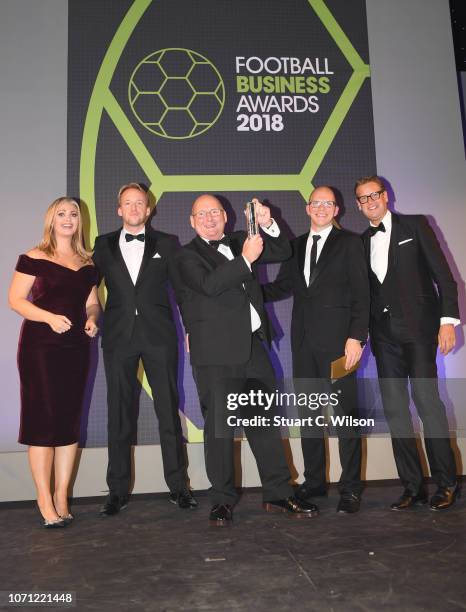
[54, 289]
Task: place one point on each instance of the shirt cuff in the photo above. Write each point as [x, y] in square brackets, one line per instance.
[273, 230]
[449, 321]
[247, 263]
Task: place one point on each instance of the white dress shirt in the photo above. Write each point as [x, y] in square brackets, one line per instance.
[132, 254]
[380, 244]
[320, 245]
[225, 250]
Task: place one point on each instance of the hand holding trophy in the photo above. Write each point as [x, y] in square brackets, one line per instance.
[253, 245]
[256, 215]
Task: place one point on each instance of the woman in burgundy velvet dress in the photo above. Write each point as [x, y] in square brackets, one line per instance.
[54, 350]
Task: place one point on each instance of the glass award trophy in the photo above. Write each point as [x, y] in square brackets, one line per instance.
[251, 220]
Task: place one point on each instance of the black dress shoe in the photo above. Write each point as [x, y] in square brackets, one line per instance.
[221, 515]
[444, 497]
[292, 505]
[184, 499]
[304, 492]
[410, 500]
[349, 503]
[113, 504]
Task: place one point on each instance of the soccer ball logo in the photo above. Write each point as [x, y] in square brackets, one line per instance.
[176, 93]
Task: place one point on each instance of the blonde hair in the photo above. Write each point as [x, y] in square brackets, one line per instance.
[133, 186]
[370, 179]
[48, 244]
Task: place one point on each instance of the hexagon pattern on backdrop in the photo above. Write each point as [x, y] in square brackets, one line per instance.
[176, 93]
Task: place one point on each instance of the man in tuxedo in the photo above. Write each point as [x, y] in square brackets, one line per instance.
[414, 309]
[136, 263]
[227, 326]
[327, 276]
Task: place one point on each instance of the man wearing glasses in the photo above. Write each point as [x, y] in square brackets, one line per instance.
[327, 277]
[414, 310]
[224, 316]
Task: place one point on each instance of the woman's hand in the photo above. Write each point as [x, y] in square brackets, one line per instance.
[93, 313]
[59, 323]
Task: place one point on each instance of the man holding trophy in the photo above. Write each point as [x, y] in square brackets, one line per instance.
[228, 328]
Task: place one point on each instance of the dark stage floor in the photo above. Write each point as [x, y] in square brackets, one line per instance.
[154, 556]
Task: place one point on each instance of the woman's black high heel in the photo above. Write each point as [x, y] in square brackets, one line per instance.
[58, 523]
[67, 518]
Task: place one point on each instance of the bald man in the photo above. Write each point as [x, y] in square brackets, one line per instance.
[228, 329]
[328, 279]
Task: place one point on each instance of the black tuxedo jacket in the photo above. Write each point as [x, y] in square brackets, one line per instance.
[149, 295]
[421, 282]
[335, 306]
[217, 294]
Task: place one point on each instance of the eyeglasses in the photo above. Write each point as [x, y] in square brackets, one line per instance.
[325, 203]
[213, 212]
[375, 195]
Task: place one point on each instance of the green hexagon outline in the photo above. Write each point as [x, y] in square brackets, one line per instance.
[147, 124]
[203, 93]
[178, 79]
[188, 76]
[132, 84]
[174, 49]
[102, 99]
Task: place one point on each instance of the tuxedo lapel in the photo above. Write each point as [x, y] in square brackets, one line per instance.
[366, 239]
[235, 246]
[150, 247]
[394, 238]
[208, 253]
[301, 253]
[114, 244]
[325, 255]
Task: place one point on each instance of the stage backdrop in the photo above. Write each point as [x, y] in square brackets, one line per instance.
[262, 98]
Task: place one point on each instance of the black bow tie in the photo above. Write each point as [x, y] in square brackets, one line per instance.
[379, 228]
[130, 237]
[216, 243]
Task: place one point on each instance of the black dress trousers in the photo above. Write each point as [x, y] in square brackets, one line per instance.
[160, 366]
[311, 372]
[215, 384]
[398, 359]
